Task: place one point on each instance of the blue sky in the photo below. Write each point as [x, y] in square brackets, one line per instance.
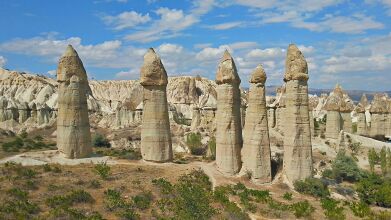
[346, 42]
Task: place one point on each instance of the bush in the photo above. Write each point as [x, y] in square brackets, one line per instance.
[287, 196]
[100, 141]
[332, 210]
[375, 190]
[103, 170]
[114, 202]
[193, 141]
[312, 186]
[143, 200]
[360, 209]
[302, 209]
[345, 168]
[212, 147]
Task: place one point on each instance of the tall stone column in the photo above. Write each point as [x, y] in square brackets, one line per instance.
[196, 118]
[346, 110]
[378, 112]
[256, 144]
[228, 119]
[362, 128]
[155, 129]
[73, 127]
[297, 138]
[334, 121]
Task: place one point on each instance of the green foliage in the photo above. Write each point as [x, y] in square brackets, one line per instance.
[354, 127]
[212, 147]
[189, 198]
[231, 210]
[287, 196]
[22, 142]
[143, 200]
[193, 141]
[114, 202]
[17, 205]
[312, 186]
[354, 147]
[375, 190]
[129, 154]
[302, 209]
[328, 173]
[345, 168]
[389, 158]
[372, 159]
[23, 134]
[383, 160]
[63, 201]
[332, 209]
[100, 141]
[360, 209]
[103, 170]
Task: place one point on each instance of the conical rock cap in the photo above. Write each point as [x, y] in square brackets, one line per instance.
[226, 71]
[295, 64]
[152, 72]
[69, 65]
[258, 75]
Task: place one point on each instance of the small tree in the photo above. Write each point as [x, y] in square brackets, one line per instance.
[100, 141]
[389, 158]
[372, 158]
[383, 160]
[193, 141]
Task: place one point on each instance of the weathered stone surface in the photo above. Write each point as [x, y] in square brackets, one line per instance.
[362, 128]
[297, 138]
[73, 127]
[228, 120]
[256, 154]
[333, 124]
[156, 142]
[196, 119]
[341, 144]
[379, 111]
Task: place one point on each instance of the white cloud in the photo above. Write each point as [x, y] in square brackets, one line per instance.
[130, 74]
[52, 72]
[225, 26]
[127, 19]
[3, 61]
[269, 53]
[210, 54]
[170, 48]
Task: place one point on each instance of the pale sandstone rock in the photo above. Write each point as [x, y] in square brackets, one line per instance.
[334, 121]
[313, 103]
[228, 119]
[73, 127]
[256, 145]
[156, 142]
[196, 119]
[362, 128]
[297, 139]
[341, 144]
[379, 111]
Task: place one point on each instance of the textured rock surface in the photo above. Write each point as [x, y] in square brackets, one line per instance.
[73, 127]
[256, 145]
[379, 112]
[341, 144]
[155, 130]
[334, 121]
[297, 139]
[228, 119]
[362, 127]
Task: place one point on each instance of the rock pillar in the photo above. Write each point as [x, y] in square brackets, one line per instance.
[155, 130]
[228, 119]
[297, 138]
[73, 127]
[256, 144]
[362, 128]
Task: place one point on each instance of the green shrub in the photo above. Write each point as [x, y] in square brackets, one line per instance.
[328, 173]
[63, 201]
[345, 168]
[332, 209]
[302, 209]
[100, 141]
[114, 202]
[129, 154]
[287, 196]
[312, 186]
[143, 200]
[193, 141]
[360, 209]
[372, 159]
[212, 147]
[383, 160]
[103, 170]
[375, 190]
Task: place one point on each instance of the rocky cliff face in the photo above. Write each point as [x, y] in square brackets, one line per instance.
[30, 101]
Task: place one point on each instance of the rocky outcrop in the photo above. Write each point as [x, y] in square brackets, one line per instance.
[256, 154]
[297, 138]
[281, 109]
[73, 127]
[362, 123]
[156, 142]
[379, 112]
[228, 119]
[312, 104]
[334, 118]
[341, 144]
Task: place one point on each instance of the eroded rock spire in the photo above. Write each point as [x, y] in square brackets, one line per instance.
[228, 118]
[73, 127]
[155, 130]
[297, 137]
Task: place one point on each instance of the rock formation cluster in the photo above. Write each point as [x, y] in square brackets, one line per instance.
[73, 127]
[155, 131]
[362, 122]
[379, 112]
[228, 118]
[297, 138]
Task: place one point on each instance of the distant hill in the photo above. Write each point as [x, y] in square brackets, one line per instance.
[354, 94]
